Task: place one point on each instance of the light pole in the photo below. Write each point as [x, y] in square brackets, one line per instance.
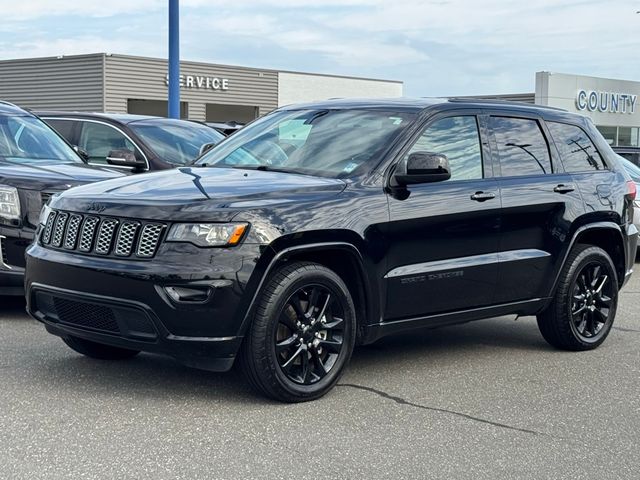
[174, 59]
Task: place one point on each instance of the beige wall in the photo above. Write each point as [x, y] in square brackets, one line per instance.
[302, 87]
[561, 90]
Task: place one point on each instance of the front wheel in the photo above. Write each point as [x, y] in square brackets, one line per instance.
[302, 335]
[583, 308]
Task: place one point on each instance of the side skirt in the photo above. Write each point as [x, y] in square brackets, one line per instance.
[384, 328]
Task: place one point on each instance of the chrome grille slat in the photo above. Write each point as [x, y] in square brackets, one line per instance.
[73, 228]
[105, 236]
[58, 231]
[48, 229]
[126, 237]
[88, 232]
[149, 238]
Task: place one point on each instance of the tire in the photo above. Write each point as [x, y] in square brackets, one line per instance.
[98, 350]
[304, 316]
[587, 290]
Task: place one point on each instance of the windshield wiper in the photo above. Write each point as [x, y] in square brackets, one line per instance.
[264, 168]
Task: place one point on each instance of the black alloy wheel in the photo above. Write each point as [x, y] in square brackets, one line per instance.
[591, 301]
[583, 307]
[310, 336]
[302, 333]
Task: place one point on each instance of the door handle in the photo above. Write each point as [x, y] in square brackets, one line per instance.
[483, 196]
[564, 188]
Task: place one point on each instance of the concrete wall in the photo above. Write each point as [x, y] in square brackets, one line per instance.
[303, 87]
[562, 90]
[65, 83]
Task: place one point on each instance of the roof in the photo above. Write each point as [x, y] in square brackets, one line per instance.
[418, 104]
[118, 117]
[7, 108]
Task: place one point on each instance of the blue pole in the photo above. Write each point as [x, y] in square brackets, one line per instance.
[174, 59]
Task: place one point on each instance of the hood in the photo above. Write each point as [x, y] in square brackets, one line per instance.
[52, 175]
[194, 190]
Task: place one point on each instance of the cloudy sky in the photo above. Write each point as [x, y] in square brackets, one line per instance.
[437, 47]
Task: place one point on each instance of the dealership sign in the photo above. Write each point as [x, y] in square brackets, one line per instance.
[610, 102]
[201, 82]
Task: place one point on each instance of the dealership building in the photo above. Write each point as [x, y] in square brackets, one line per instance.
[612, 104]
[219, 93]
[129, 84]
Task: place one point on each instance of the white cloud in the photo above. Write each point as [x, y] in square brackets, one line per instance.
[437, 46]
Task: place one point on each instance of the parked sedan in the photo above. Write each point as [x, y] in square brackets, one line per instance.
[35, 163]
[136, 142]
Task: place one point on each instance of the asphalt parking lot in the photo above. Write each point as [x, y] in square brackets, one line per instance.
[488, 399]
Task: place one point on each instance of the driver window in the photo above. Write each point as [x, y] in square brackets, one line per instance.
[98, 140]
[458, 138]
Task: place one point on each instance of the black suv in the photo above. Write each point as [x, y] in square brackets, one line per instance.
[326, 225]
[35, 163]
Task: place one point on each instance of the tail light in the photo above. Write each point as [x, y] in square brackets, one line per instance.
[632, 190]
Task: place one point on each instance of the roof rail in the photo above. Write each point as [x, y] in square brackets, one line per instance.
[503, 102]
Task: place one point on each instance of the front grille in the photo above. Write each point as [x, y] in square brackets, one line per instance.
[71, 237]
[86, 315]
[105, 235]
[102, 236]
[126, 237]
[58, 231]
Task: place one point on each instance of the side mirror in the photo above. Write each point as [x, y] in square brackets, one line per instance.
[82, 153]
[125, 158]
[422, 167]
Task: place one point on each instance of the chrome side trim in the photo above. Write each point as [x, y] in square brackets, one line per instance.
[3, 264]
[466, 262]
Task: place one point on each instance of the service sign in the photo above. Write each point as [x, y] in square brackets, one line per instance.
[201, 82]
[606, 102]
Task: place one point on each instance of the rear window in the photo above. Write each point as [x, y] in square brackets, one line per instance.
[522, 147]
[576, 149]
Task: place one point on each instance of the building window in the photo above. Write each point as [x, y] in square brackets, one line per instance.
[610, 134]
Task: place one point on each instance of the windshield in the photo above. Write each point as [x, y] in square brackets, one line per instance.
[28, 139]
[328, 143]
[174, 141]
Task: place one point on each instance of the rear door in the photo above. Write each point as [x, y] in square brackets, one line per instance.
[443, 237]
[539, 202]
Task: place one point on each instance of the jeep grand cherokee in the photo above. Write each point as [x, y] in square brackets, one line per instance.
[326, 225]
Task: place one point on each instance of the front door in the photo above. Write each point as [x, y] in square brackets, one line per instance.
[443, 236]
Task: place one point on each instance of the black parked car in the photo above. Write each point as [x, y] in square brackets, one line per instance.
[138, 142]
[327, 225]
[630, 153]
[35, 163]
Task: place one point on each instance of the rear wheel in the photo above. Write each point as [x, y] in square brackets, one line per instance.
[584, 306]
[302, 335]
[98, 350]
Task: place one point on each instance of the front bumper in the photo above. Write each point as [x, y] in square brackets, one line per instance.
[126, 303]
[13, 244]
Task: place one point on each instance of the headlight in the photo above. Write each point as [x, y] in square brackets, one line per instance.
[9, 203]
[208, 234]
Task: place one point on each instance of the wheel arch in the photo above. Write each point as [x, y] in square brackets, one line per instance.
[606, 235]
[344, 258]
